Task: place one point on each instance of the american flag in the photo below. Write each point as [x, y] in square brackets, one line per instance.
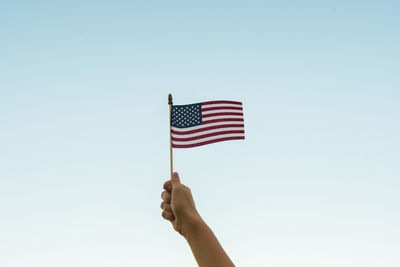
[205, 123]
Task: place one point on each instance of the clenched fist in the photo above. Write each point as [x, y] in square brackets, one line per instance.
[178, 206]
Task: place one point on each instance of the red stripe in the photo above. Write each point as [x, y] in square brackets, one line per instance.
[207, 128]
[221, 102]
[221, 107]
[208, 142]
[221, 120]
[206, 135]
[222, 114]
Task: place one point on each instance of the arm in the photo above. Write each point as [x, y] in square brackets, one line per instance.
[179, 208]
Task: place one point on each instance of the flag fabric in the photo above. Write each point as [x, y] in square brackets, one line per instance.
[205, 123]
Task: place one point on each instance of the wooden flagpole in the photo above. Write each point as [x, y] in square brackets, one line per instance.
[170, 131]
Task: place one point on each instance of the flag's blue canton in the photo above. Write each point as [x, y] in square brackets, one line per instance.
[186, 115]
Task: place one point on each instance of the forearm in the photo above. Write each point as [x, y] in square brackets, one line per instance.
[205, 246]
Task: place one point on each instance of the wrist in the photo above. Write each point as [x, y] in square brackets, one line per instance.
[192, 227]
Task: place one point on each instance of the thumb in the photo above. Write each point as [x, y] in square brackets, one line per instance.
[175, 179]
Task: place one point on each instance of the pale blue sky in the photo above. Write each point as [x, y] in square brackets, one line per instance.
[84, 146]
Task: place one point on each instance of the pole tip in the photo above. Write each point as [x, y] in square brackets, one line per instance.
[169, 99]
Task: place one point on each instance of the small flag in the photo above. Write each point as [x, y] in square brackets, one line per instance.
[205, 123]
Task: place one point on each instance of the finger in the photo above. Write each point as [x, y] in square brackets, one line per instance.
[166, 197]
[175, 178]
[168, 186]
[168, 215]
[166, 206]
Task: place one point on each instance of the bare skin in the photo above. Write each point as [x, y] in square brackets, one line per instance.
[179, 208]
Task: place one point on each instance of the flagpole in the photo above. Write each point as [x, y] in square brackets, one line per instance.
[170, 131]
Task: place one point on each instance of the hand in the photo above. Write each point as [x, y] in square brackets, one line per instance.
[178, 206]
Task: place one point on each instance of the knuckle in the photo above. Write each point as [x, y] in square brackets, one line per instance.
[166, 196]
[167, 207]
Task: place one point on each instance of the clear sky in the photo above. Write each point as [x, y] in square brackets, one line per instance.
[84, 145]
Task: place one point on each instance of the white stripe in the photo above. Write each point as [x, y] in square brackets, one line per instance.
[208, 132]
[220, 105]
[223, 117]
[182, 130]
[206, 139]
[222, 110]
